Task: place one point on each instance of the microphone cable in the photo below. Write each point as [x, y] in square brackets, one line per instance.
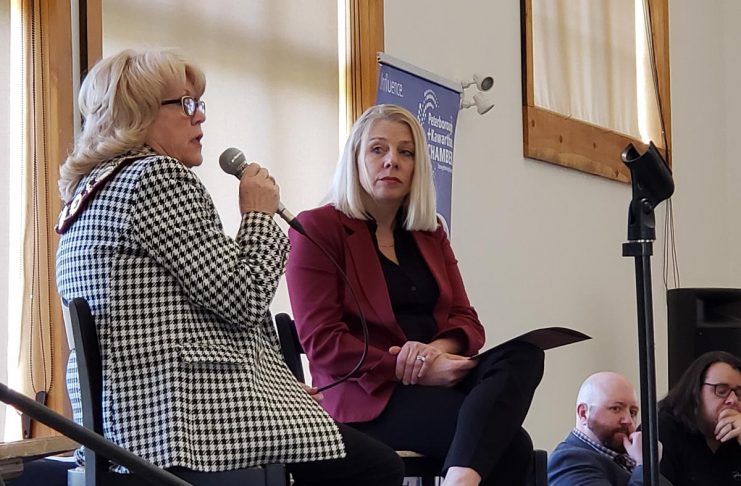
[363, 325]
[671, 262]
[233, 161]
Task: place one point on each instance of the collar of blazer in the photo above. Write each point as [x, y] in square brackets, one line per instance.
[101, 174]
[369, 279]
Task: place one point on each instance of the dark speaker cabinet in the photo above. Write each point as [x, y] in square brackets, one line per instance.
[701, 320]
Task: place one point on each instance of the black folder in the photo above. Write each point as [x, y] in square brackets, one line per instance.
[544, 338]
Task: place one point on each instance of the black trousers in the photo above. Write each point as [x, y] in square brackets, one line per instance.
[476, 424]
[368, 462]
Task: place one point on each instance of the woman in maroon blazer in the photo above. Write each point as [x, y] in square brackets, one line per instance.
[417, 389]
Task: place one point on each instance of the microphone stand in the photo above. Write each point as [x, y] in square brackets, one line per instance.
[119, 455]
[652, 183]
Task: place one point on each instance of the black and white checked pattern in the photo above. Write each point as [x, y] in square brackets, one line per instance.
[192, 373]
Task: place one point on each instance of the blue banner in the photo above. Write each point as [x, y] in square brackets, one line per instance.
[436, 108]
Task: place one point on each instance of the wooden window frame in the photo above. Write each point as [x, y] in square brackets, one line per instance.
[364, 39]
[558, 139]
[91, 34]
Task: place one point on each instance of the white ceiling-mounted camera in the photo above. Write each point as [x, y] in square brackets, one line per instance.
[482, 82]
[481, 103]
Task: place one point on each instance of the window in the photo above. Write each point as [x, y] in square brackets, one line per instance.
[298, 77]
[554, 130]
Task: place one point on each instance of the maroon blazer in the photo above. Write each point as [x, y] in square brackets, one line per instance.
[326, 314]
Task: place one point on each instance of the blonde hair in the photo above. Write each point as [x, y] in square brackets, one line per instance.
[119, 100]
[346, 190]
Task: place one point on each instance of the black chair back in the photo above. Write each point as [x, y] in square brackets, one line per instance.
[539, 469]
[97, 468]
[290, 345]
[89, 369]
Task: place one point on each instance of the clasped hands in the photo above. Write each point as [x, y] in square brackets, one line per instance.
[424, 364]
[728, 426]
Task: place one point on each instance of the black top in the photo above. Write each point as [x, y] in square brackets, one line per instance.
[411, 286]
[688, 461]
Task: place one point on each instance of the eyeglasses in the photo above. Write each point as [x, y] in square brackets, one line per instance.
[722, 390]
[189, 105]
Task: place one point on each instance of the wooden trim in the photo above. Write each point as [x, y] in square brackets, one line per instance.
[660, 29]
[526, 34]
[60, 141]
[558, 139]
[59, 67]
[91, 34]
[555, 138]
[40, 447]
[365, 38]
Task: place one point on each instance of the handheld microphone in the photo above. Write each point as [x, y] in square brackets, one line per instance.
[233, 161]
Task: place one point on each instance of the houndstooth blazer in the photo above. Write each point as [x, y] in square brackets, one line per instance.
[192, 372]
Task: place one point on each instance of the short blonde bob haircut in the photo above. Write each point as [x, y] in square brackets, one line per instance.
[346, 190]
[119, 100]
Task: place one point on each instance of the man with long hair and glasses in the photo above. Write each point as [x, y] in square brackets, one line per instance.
[700, 423]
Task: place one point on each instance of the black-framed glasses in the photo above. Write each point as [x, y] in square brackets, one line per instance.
[722, 390]
[189, 104]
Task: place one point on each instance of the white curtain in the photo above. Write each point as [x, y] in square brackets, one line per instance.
[590, 62]
[4, 191]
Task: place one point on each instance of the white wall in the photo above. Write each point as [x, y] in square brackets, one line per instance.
[701, 65]
[732, 66]
[548, 250]
[4, 202]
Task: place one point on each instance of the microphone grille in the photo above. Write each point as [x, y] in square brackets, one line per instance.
[231, 161]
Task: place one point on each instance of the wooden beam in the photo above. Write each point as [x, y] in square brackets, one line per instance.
[365, 38]
[39, 447]
[49, 135]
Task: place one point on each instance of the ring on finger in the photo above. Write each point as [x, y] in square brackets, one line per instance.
[421, 358]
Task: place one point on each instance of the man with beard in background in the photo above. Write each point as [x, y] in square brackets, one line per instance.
[604, 449]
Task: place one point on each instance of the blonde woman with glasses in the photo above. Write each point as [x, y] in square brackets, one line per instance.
[192, 378]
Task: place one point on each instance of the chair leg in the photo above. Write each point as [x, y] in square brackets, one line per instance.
[428, 480]
[276, 475]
